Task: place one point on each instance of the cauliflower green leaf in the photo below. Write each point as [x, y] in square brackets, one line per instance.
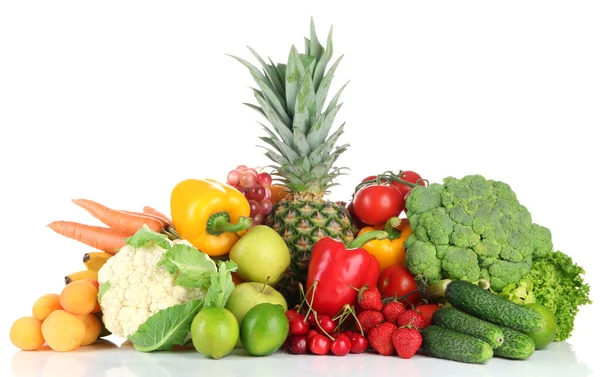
[191, 268]
[146, 235]
[167, 328]
[221, 285]
[102, 290]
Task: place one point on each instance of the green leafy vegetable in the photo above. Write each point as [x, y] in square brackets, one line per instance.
[221, 285]
[166, 328]
[146, 235]
[519, 293]
[191, 267]
[559, 286]
[102, 290]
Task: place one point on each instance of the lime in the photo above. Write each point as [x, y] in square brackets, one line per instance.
[264, 329]
[215, 332]
[543, 337]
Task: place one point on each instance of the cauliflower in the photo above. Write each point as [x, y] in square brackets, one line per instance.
[138, 287]
[471, 229]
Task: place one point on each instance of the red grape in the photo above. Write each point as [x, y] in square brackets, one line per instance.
[254, 207]
[253, 171]
[264, 179]
[265, 207]
[247, 179]
[257, 219]
[233, 177]
[267, 194]
[241, 189]
[241, 168]
[257, 193]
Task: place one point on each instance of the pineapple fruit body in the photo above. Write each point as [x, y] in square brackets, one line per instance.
[301, 220]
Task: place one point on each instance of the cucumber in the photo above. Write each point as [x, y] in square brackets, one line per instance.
[483, 304]
[516, 345]
[454, 319]
[451, 345]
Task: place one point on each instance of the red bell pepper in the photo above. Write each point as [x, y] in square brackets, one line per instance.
[335, 273]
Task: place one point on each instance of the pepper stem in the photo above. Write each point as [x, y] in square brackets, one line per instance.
[366, 237]
[218, 223]
[390, 227]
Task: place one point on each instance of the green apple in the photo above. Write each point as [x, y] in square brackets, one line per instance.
[247, 295]
[261, 254]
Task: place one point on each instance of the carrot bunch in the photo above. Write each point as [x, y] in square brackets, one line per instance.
[120, 224]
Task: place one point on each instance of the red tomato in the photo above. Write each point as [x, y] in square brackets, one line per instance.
[375, 204]
[369, 178]
[427, 311]
[409, 176]
[398, 281]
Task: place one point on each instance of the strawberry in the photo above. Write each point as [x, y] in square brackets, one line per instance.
[413, 318]
[370, 298]
[406, 341]
[369, 319]
[380, 338]
[392, 310]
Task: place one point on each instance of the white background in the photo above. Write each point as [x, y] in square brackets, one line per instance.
[119, 101]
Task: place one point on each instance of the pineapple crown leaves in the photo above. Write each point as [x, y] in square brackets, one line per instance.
[292, 98]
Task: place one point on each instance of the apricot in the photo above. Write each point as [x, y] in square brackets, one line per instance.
[63, 331]
[26, 333]
[92, 328]
[79, 297]
[46, 305]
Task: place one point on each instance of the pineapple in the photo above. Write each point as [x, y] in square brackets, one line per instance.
[292, 98]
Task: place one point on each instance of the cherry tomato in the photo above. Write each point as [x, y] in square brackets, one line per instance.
[397, 281]
[427, 311]
[409, 176]
[319, 344]
[375, 204]
[341, 345]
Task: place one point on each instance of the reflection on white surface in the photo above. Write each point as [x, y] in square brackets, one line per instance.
[109, 360]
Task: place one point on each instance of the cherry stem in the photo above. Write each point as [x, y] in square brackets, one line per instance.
[353, 313]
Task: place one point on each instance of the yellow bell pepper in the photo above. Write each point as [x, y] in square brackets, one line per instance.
[389, 251]
[210, 215]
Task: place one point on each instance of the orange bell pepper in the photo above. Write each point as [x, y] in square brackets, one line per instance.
[210, 215]
[389, 251]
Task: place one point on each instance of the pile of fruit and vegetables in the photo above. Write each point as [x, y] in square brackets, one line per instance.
[259, 259]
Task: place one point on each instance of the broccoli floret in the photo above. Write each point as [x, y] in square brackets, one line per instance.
[474, 228]
[460, 264]
[542, 241]
[504, 272]
[423, 259]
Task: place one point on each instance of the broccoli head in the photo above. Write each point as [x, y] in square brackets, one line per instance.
[472, 228]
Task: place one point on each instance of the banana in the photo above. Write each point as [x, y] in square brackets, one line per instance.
[80, 275]
[95, 260]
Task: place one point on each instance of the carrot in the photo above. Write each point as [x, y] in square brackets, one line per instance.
[98, 237]
[152, 211]
[123, 222]
[165, 223]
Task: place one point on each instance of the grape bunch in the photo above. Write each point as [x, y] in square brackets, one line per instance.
[255, 187]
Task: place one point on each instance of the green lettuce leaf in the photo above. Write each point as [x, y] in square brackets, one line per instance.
[558, 284]
[166, 328]
[191, 268]
[519, 293]
[146, 235]
[102, 290]
[221, 285]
